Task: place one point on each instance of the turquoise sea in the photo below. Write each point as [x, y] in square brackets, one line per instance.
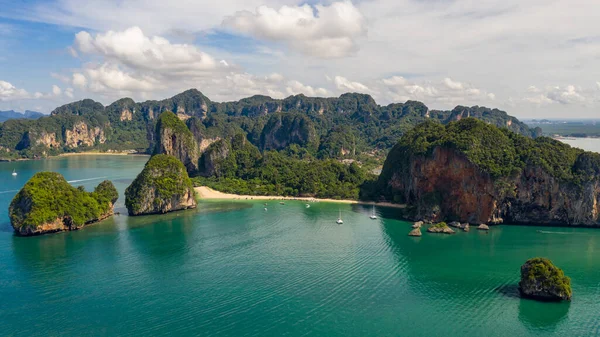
[230, 268]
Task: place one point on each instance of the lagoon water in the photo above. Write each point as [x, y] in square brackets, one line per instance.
[232, 269]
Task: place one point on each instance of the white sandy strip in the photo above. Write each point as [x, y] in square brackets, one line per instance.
[208, 193]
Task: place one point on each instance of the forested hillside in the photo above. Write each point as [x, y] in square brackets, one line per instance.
[350, 126]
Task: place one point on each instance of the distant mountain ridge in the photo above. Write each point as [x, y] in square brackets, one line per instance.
[11, 114]
[332, 127]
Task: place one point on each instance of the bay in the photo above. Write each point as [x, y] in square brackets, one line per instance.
[588, 144]
[229, 268]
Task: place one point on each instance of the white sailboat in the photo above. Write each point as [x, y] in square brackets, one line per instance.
[14, 173]
[339, 220]
[307, 206]
[373, 216]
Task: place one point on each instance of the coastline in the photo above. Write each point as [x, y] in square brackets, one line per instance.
[90, 153]
[205, 192]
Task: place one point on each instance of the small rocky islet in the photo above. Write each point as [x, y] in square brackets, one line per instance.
[49, 204]
[542, 280]
[162, 186]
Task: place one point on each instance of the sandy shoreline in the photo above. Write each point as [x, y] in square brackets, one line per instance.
[208, 193]
[70, 154]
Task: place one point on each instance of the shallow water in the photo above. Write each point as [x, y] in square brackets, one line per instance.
[588, 144]
[233, 269]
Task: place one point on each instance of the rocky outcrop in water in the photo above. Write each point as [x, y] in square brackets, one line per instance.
[162, 186]
[415, 232]
[48, 203]
[542, 280]
[472, 172]
[441, 227]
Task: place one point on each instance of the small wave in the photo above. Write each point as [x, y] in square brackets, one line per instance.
[11, 191]
[550, 232]
[80, 180]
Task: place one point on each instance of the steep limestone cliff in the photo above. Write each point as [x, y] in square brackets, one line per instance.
[83, 135]
[473, 172]
[175, 139]
[282, 130]
[213, 157]
[162, 186]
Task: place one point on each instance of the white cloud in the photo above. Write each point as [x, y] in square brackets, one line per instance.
[295, 87]
[321, 31]
[445, 93]
[566, 95]
[69, 93]
[453, 84]
[344, 84]
[10, 92]
[56, 90]
[598, 85]
[138, 51]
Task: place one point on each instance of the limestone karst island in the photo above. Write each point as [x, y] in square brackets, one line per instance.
[317, 168]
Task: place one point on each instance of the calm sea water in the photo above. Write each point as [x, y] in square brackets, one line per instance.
[588, 144]
[233, 269]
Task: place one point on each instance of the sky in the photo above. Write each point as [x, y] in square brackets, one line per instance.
[531, 58]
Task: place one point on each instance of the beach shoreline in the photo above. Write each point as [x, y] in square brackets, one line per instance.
[208, 193]
[89, 153]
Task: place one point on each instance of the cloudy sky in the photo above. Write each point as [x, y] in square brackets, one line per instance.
[532, 58]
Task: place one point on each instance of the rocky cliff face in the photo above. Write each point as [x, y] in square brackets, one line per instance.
[162, 186]
[83, 135]
[212, 158]
[444, 183]
[48, 204]
[175, 139]
[285, 129]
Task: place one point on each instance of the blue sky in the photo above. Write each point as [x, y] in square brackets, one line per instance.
[533, 59]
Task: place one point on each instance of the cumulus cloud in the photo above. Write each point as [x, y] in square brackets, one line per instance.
[566, 95]
[321, 31]
[344, 84]
[138, 51]
[10, 92]
[448, 82]
[56, 90]
[295, 87]
[446, 92]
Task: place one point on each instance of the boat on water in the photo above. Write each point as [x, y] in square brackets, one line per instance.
[339, 220]
[14, 173]
[282, 203]
[373, 216]
[307, 206]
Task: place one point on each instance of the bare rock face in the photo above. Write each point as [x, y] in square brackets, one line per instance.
[441, 227]
[483, 227]
[162, 186]
[542, 280]
[83, 135]
[443, 182]
[417, 224]
[126, 115]
[47, 139]
[175, 139]
[213, 158]
[415, 232]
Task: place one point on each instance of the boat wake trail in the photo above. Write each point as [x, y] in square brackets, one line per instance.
[81, 180]
[11, 191]
[550, 232]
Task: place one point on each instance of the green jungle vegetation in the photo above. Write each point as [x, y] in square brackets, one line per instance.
[163, 174]
[351, 126]
[294, 172]
[544, 273]
[47, 196]
[498, 152]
